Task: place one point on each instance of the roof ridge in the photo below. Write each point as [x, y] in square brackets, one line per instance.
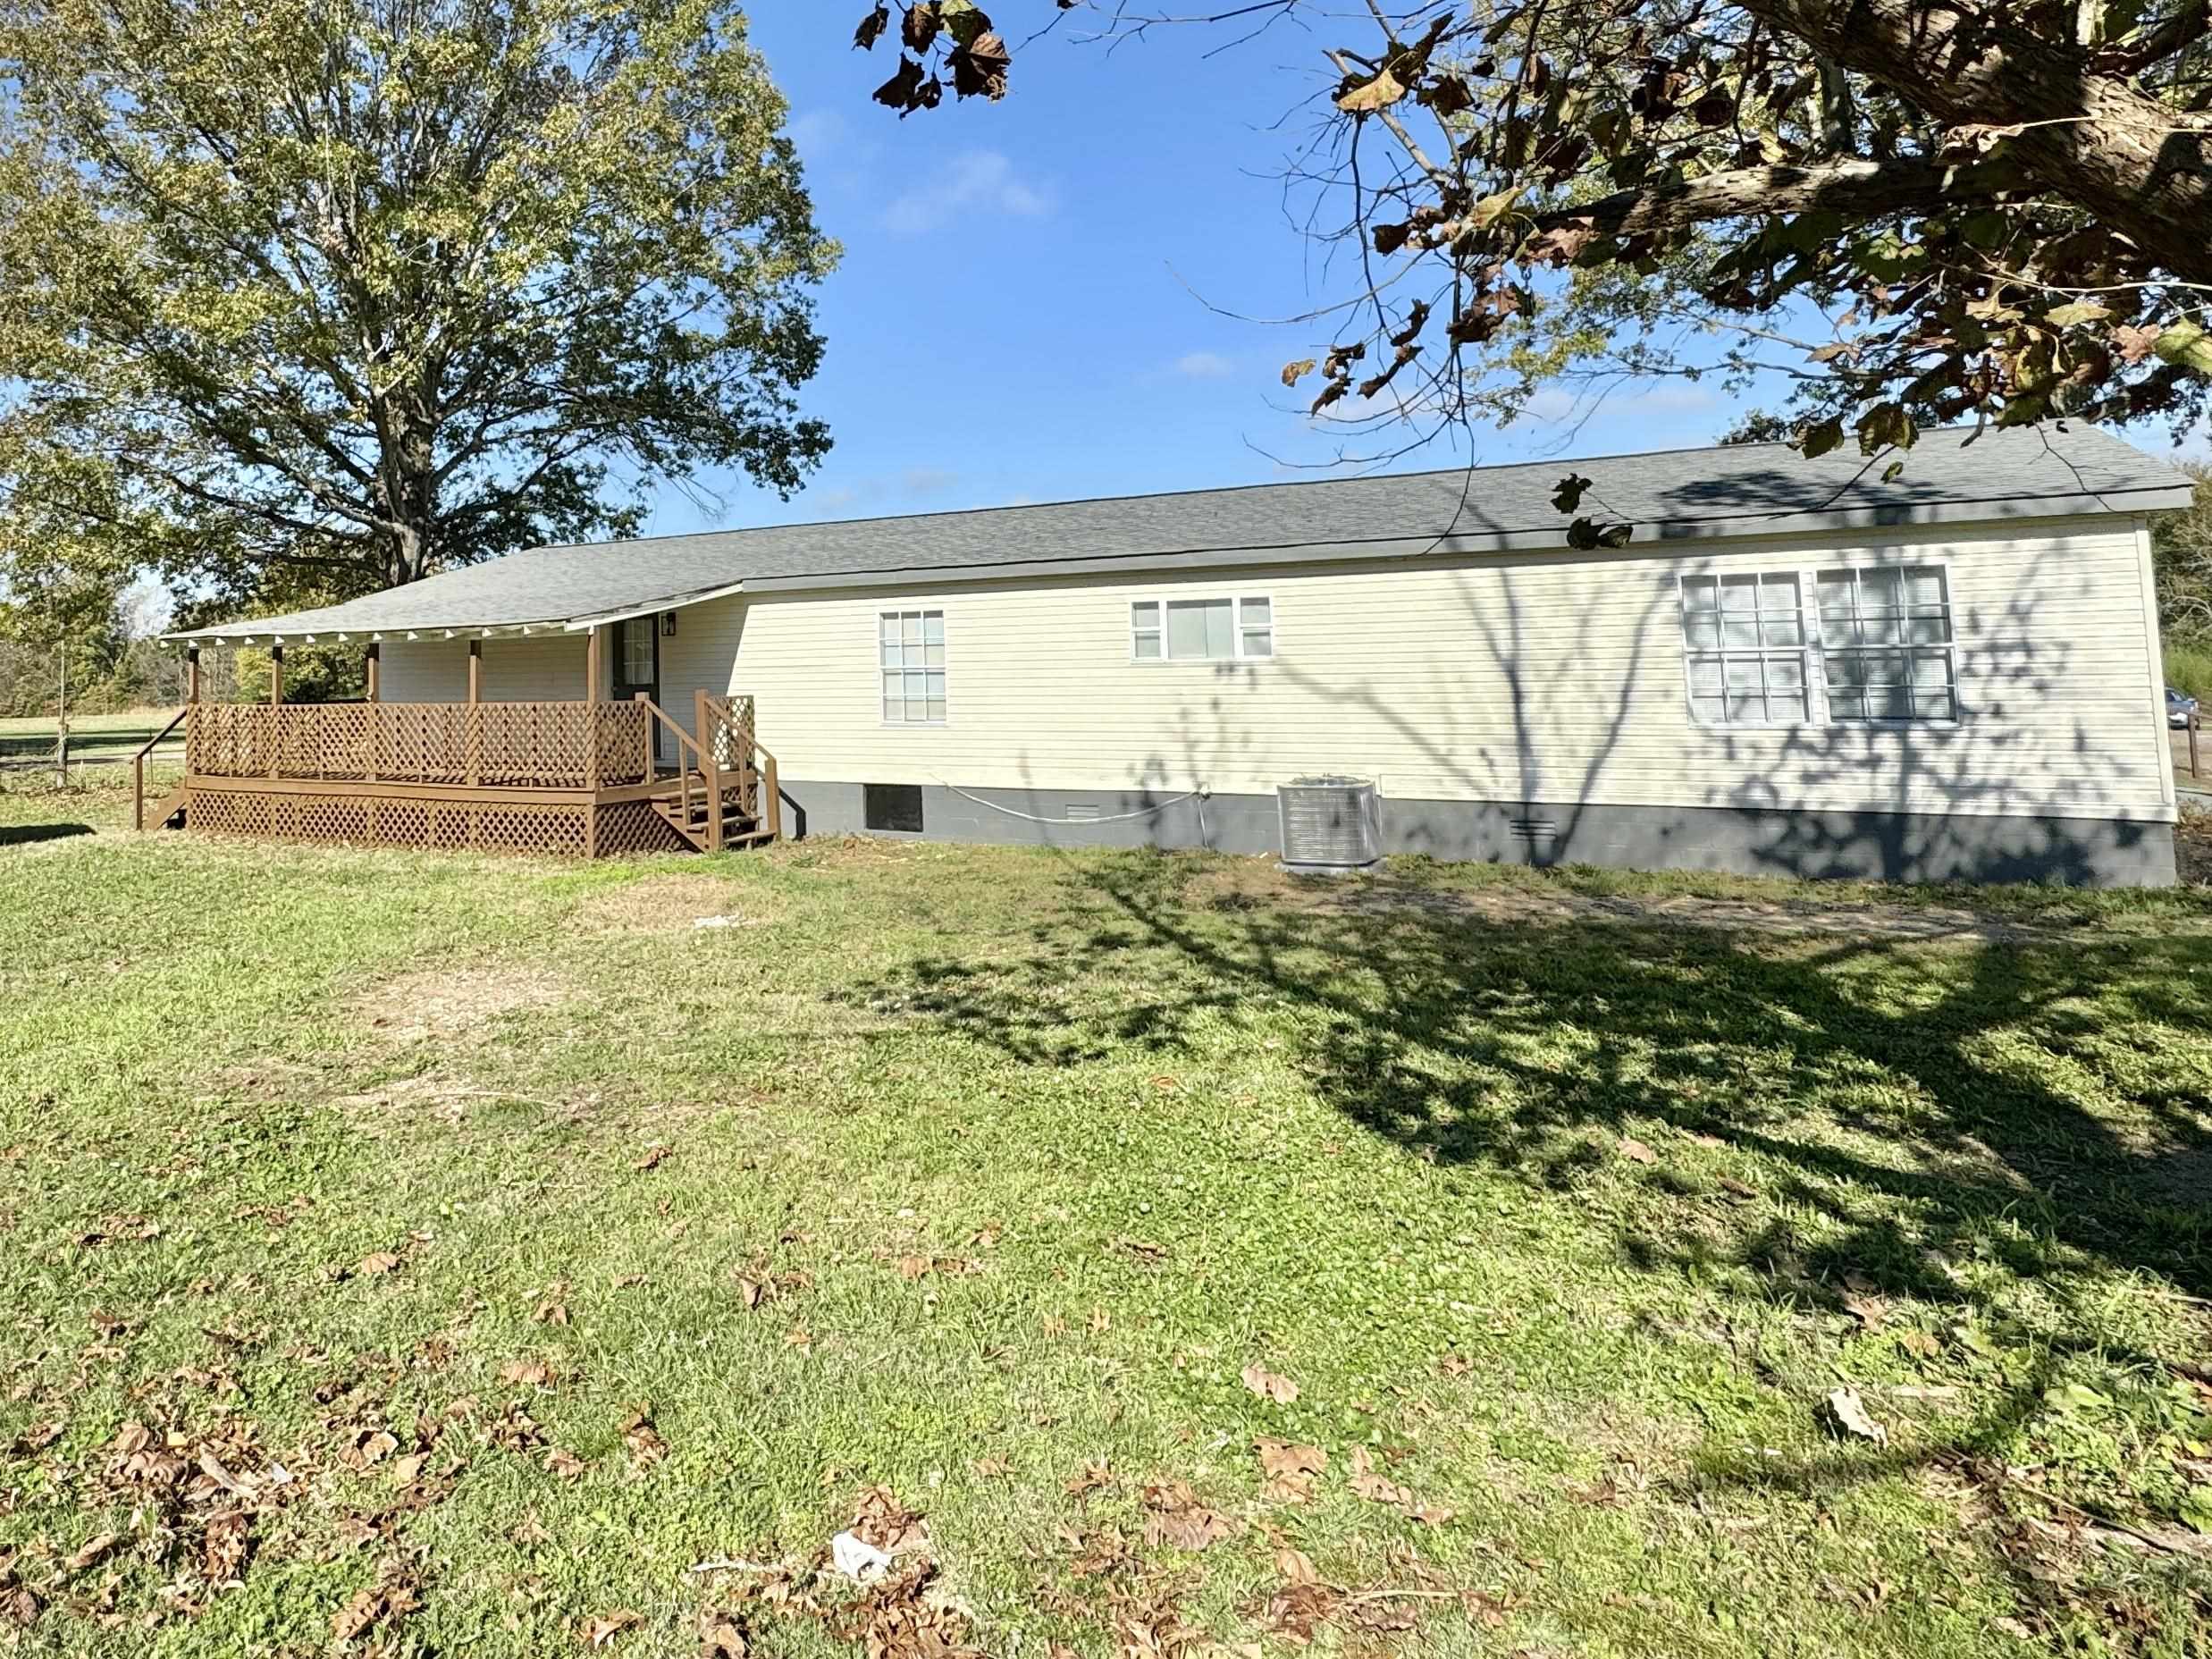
[1571, 462]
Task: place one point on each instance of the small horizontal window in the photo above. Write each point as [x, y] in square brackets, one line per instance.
[1201, 630]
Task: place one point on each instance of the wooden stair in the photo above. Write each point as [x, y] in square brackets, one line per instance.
[168, 812]
[689, 812]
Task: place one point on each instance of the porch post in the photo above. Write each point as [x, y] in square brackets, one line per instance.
[375, 671]
[591, 721]
[276, 701]
[191, 673]
[476, 670]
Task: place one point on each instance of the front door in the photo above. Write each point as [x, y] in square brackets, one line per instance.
[637, 665]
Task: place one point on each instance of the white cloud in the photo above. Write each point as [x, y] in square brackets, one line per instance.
[927, 481]
[1204, 366]
[819, 134]
[974, 183]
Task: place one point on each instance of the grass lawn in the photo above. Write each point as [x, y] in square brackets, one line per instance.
[426, 1255]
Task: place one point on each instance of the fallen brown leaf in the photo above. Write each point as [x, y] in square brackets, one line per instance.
[599, 1632]
[644, 1440]
[91, 1552]
[1268, 1385]
[1637, 1152]
[383, 1261]
[721, 1637]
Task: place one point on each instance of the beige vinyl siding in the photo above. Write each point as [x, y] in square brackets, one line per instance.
[537, 668]
[1547, 677]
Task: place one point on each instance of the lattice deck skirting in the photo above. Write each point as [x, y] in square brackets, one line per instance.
[543, 831]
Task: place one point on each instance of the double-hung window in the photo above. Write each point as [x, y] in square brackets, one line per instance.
[1886, 648]
[1744, 649]
[911, 650]
[1201, 630]
[1880, 651]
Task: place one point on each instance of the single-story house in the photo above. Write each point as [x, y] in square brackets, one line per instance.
[1795, 666]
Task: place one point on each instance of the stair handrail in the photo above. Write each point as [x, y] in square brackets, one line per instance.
[710, 783]
[750, 756]
[138, 769]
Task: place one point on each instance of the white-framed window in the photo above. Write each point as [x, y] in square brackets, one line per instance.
[1887, 651]
[1202, 630]
[910, 654]
[1744, 649]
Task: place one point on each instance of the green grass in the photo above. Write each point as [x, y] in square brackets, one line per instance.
[90, 736]
[1564, 1217]
[2189, 667]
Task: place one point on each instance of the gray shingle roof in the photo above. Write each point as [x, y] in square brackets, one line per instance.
[1674, 496]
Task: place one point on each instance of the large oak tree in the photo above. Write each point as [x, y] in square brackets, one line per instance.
[1922, 211]
[309, 296]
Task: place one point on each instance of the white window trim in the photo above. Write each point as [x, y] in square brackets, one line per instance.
[1819, 712]
[1813, 692]
[875, 622]
[1917, 722]
[1236, 603]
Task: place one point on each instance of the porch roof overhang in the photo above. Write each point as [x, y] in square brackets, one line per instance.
[441, 619]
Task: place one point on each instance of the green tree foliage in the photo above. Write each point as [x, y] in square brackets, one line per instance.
[1926, 211]
[307, 298]
[2182, 549]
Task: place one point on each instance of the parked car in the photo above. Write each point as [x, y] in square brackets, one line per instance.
[2181, 708]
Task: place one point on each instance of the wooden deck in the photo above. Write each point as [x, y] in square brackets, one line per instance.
[552, 779]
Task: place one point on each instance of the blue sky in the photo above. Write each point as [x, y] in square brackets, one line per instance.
[1021, 311]
[1019, 314]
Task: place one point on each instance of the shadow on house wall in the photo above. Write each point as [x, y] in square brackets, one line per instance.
[1531, 760]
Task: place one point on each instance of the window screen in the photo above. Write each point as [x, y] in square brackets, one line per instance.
[1201, 630]
[1743, 649]
[1885, 644]
[912, 647]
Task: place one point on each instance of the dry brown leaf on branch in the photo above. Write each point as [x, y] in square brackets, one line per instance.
[1268, 1385]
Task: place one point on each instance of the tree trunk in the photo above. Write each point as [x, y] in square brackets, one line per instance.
[2094, 140]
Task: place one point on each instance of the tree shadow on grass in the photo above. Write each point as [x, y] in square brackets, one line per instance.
[1906, 1094]
[1914, 1113]
[25, 835]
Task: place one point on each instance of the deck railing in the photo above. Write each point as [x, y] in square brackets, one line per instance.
[490, 746]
